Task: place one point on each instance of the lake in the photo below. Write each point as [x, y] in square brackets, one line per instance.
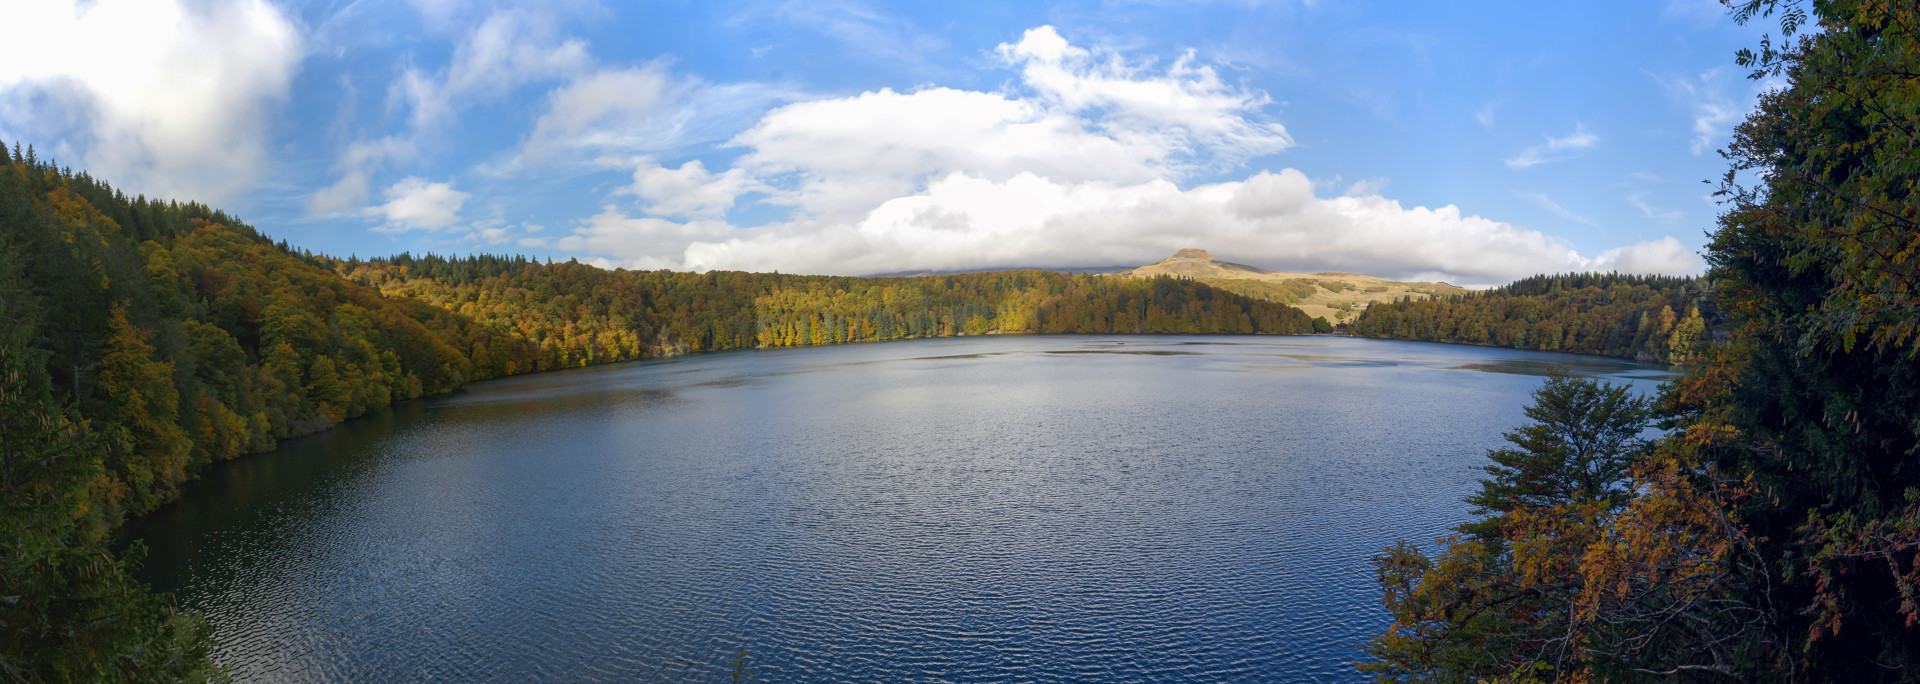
[1003, 508]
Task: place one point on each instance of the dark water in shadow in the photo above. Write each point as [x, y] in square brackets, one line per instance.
[988, 509]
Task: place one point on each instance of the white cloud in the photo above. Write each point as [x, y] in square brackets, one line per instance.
[1079, 162]
[643, 242]
[1484, 115]
[164, 97]
[416, 203]
[608, 109]
[356, 167]
[852, 153]
[1367, 186]
[508, 49]
[1079, 115]
[623, 111]
[1270, 219]
[1713, 110]
[1189, 104]
[1546, 202]
[1665, 255]
[1650, 211]
[689, 190]
[1556, 149]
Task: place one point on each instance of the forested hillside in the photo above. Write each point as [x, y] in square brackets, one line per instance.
[534, 316]
[142, 340]
[1773, 533]
[1655, 319]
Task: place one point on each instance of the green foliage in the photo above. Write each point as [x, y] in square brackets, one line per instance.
[69, 610]
[1321, 325]
[572, 314]
[1285, 292]
[177, 336]
[1655, 319]
[1478, 611]
[1577, 449]
[1774, 533]
[1819, 264]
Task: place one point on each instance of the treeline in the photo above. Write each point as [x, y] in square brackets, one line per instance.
[1654, 319]
[1772, 533]
[1286, 292]
[534, 316]
[141, 340]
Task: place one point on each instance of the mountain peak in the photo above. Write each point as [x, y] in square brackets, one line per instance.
[1197, 263]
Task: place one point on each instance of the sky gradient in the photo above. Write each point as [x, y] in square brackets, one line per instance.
[1468, 142]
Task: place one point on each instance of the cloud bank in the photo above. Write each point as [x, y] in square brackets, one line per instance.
[1082, 161]
[187, 119]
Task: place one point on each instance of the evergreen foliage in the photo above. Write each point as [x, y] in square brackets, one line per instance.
[1654, 319]
[1478, 610]
[570, 314]
[69, 610]
[1774, 533]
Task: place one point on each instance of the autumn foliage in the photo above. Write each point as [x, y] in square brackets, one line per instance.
[1773, 533]
[144, 340]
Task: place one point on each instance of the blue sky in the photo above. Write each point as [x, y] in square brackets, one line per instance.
[1467, 142]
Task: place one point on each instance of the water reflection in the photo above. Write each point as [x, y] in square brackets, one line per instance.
[996, 508]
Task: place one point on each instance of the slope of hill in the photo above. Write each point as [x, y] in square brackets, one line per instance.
[1648, 318]
[141, 341]
[1332, 295]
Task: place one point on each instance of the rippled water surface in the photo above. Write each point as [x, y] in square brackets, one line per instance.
[984, 509]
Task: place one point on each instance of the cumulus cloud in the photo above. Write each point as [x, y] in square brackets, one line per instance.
[1079, 162]
[849, 154]
[1078, 114]
[1665, 255]
[1556, 149]
[1275, 220]
[416, 203]
[356, 166]
[639, 242]
[188, 118]
[689, 190]
[1188, 104]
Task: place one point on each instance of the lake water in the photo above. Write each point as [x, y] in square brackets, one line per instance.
[1034, 508]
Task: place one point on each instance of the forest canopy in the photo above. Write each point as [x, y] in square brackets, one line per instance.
[1652, 319]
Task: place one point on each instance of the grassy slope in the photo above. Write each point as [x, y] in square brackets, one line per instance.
[1324, 294]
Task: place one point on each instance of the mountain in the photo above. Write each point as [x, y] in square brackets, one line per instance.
[1334, 295]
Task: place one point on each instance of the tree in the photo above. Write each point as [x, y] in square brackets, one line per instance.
[1821, 258]
[1497, 603]
[144, 400]
[1578, 449]
[69, 609]
[1774, 533]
